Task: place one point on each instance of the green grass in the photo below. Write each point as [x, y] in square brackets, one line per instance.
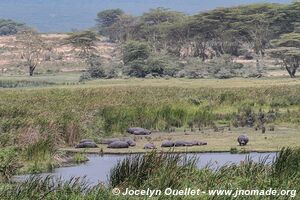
[222, 141]
[39, 80]
[177, 171]
[106, 108]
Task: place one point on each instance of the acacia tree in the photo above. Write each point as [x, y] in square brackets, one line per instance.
[288, 51]
[33, 49]
[108, 22]
[86, 43]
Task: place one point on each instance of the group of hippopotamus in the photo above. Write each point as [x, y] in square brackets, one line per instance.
[170, 143]
[118, 143]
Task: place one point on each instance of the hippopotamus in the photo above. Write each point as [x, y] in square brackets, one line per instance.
[118, 145]
[199, 143]
[109, 140]
[243, 140]
[183, 144]
[138, 131]
[86, 144]
[149, 146]
[86, 140]
[202, 143]
[168, 144]
[130, 142]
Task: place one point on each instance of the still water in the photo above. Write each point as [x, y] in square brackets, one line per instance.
[97, 169]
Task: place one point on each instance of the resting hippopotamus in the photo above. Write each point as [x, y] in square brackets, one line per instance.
[149, 146]
[168, 144]
[243, 140]
[118, 145]
[199, 143]
[138, 131]
[109, 140]
[86, 140]
[183, 144]
[130, 142]
[86, 144]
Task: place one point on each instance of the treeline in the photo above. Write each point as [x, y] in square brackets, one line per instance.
[153, 42]
[220, 31]
[166, 43]
[10, 27]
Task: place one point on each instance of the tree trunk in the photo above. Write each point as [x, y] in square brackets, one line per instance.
[291, 71]
[31, 70]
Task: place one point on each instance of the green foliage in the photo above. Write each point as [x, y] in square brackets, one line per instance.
[39, 151]
[288, 50]
[23, 83]
[152, 170]
[8, 163]
[10, 27]
[107, 18]
[222, 30]
[95, 68]
[50, 188]
[85, 41]
[70, 113]
[135, 50]
[80, 158]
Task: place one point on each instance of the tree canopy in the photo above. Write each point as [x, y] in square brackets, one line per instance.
[287, 49]
[10, 27]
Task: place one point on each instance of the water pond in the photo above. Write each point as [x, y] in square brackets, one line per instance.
[98, 167]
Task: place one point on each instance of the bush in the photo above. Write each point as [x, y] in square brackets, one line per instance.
[136, 68]
[85, 76]
[223, 74]
[8, 163]
[9, 27]
[135, 50]
[95, 68]
[95, 71]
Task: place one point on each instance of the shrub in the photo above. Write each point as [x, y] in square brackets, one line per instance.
[136, 68]
[134, 50]
[10, 27]
[95, 71]
[8, 163]
[95, 68]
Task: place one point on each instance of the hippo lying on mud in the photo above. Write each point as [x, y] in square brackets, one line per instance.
[199, 143]
[118, 145]
[243, 140]
[130, 142]
[149, 146]
[189, 144]
[108, 141]
[111, 140]
[86, 143]
[168, 144]
[183, 144]
[138, 131]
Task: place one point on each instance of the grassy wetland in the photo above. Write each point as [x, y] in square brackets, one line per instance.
[212, 110]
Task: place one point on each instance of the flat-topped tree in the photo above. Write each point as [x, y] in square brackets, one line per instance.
[84, 41]
[288, 50]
